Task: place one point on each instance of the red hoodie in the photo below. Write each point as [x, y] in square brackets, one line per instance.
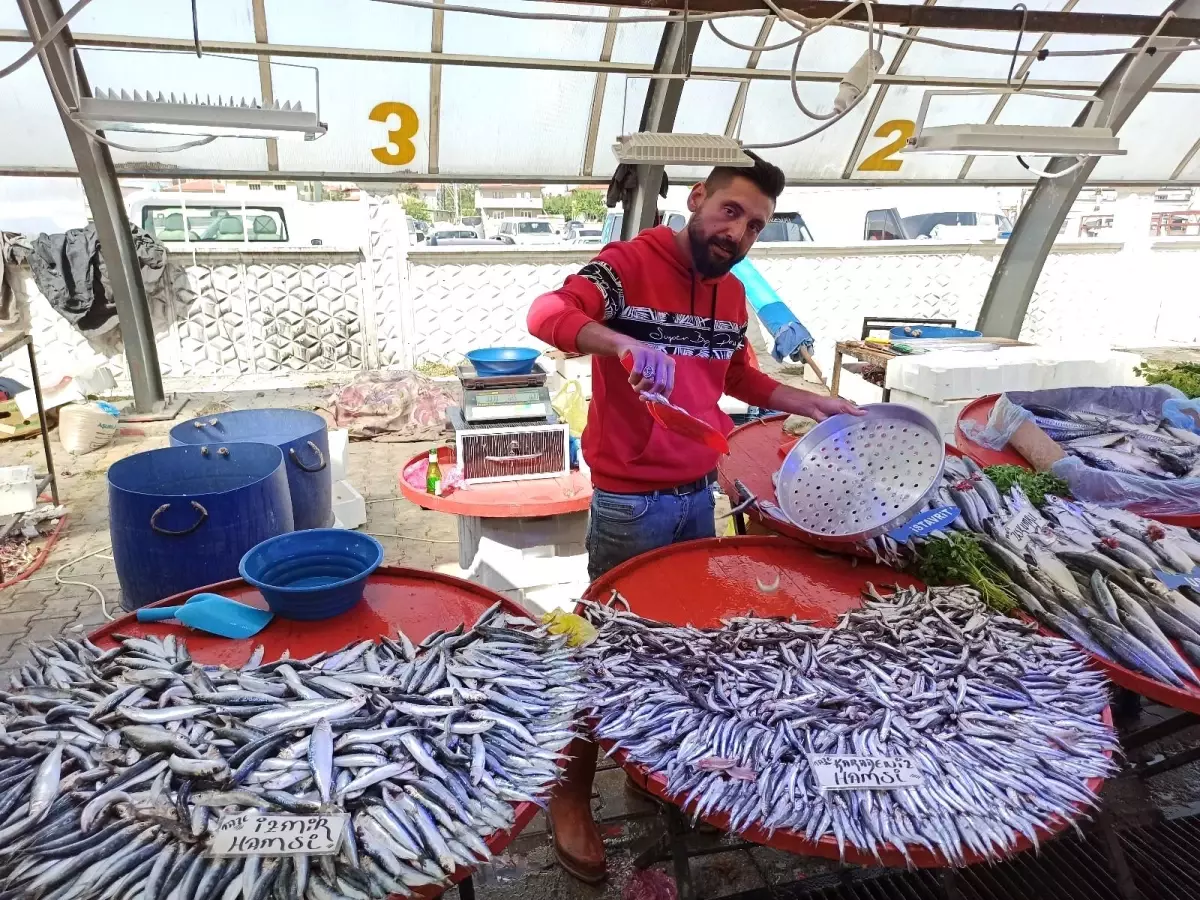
[643, 289]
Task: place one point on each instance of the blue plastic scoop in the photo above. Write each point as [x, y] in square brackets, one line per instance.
[212, 613]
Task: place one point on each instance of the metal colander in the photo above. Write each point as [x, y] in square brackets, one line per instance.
[852, 478]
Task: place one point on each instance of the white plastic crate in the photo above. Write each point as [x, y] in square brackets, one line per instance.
[18, 490]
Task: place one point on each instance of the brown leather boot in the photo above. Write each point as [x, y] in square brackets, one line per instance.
[577, 841]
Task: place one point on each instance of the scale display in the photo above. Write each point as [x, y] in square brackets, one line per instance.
[506, 403]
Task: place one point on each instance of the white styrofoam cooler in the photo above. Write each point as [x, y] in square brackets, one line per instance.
[960, 375]
[944, 413]
[18, 490]
[349, 507]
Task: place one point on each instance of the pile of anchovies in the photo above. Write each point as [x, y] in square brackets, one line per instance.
[1004, 724]
[115, 766]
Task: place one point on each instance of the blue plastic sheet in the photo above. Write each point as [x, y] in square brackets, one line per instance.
[789, 335]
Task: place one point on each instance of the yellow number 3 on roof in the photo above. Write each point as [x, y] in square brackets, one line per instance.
[399, 150]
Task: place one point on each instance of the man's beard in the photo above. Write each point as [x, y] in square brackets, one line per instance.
[706, 264]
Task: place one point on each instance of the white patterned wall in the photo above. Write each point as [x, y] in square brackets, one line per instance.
[289, 314]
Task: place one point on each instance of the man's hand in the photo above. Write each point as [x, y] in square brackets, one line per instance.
[822, 408]
[652, 371]
[806, 403]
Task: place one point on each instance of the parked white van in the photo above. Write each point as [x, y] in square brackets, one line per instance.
[527, 232]
[215, 219]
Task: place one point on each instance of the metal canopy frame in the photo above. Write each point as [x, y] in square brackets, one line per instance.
[1025, 252]
[1023, 256]
[65, 74]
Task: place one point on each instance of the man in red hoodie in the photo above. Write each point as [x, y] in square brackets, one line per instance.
[668, 302]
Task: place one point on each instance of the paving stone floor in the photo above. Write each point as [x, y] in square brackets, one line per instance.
[47, 605]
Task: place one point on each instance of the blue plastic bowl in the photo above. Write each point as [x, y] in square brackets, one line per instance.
[313, 574]
[931, 331]
[503, 360]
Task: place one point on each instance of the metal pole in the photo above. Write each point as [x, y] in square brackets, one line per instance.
[658, 114]
[103, 191]
[1025, 253]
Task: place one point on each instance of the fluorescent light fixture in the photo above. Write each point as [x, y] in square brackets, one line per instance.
[1007, 140]
[158, 114]
[651, 148]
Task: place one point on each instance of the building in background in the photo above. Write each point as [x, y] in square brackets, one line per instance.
[497, 202]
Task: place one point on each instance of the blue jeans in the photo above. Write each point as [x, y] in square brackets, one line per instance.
[623, 526]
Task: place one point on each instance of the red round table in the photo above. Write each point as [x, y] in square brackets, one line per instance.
[524, 538]
[413, 600]
[979, 412]
[702, 582]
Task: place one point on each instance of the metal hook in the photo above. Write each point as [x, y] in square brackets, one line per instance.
[1012, 65]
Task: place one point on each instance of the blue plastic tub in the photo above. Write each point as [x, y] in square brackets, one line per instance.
[182, 517]
[302, 436]
[313, 574]
[909, 332]
[503, 361]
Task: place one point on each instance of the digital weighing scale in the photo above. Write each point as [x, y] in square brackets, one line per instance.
[504, 398]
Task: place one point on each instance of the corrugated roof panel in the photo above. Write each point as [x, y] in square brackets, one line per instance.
[1157, 135]
[529, 38]
[358, 25]
[223, 20]
[351, 92]
[712, 51]
[894, 124]
[524, 123]
[33, 132]
[771, 115]
[637, 42]
[829, 50]
[616, 95]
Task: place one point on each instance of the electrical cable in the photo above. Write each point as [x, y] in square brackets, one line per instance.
[44, 41]
[58, 579]
[1042, 173]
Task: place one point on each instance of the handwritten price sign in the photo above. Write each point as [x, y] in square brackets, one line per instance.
[256, 834]
[858, 773]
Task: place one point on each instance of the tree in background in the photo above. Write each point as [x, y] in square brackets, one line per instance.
[466, 199]
[588, 205]
[415, 207]
[557, 205]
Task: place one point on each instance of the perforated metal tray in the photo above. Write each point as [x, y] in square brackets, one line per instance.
[855, 477]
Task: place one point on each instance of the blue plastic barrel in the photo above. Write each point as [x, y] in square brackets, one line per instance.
[183, 517]
[302, 436]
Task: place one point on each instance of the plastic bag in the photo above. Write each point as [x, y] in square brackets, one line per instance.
[580, 632]
[1001, 425]
[571, 407]
[1137, 493]
[1183, 414]
[650, 884]
[84, 427]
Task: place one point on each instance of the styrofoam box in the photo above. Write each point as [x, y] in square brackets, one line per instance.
[349, 507]
[339, 443]
[18, 490]
[577, 368]
[961, 375]
[944, 413]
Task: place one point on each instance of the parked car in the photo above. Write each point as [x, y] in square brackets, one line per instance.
[475, 223]
[784, 226]
[201, 218]
[889, 225]
[443, 233]
[527, 232]
[584, 236]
